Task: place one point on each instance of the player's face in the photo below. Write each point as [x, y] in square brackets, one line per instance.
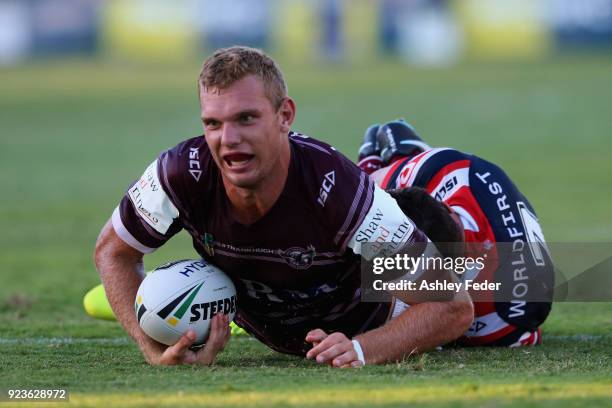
[246, 135]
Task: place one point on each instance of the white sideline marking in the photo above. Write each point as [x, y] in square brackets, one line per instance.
[127, 340]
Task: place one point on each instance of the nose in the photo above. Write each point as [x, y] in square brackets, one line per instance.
[230, 135]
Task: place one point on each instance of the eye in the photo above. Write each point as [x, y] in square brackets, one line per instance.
[246, 118]
[211, 124]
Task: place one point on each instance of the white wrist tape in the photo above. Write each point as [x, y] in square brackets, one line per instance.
[359, 352]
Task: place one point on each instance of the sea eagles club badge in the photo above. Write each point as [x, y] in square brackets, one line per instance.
[299, 258]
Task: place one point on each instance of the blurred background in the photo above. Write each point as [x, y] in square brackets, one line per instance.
[91, 91]
[416, 32]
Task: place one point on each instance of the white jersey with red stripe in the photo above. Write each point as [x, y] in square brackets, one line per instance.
[491, 210]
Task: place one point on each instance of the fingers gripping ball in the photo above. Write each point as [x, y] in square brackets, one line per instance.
[182, 296]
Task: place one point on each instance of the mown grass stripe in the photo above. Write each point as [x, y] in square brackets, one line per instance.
[508, 394]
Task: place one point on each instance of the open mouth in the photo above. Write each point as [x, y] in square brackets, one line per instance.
[234, 160]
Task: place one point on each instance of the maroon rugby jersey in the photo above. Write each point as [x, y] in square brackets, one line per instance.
[296, 268]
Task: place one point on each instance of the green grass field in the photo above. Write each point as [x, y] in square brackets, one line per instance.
[73, 135]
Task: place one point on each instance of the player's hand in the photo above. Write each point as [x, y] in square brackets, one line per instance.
[220, 333]
[335, 349]
[180, 353]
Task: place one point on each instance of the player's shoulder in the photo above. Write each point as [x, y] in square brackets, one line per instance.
[187, 173]
[422, 168]
[317, 152]
[318, 160]
[311, 148]
[187, 162]
[334, 188]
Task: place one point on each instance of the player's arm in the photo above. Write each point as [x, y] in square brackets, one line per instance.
[121, 269]
[423, 326]
[420, 328]
[144, 220]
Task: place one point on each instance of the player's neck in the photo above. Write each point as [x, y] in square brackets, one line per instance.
[249, 205]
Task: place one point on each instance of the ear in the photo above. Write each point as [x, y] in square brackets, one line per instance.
[286, 114]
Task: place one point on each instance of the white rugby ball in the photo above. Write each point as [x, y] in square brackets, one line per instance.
[183, 295]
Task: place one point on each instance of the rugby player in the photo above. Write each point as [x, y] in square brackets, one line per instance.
[285, 216]
[479, 205]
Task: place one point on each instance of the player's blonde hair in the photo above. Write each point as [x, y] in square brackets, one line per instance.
[228, 65]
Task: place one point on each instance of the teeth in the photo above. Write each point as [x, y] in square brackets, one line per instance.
[238, 163]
